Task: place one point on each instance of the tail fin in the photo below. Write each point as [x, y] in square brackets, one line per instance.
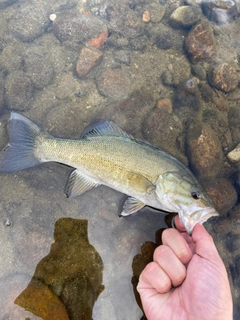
[19, 153]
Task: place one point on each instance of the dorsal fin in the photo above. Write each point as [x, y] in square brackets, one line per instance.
[104, 128]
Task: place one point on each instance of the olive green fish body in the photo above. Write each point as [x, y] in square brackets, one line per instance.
[109, 156]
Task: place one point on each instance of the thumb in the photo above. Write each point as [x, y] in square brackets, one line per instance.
[204, 245]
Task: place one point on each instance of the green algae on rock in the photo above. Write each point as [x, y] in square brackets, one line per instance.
[70, 274]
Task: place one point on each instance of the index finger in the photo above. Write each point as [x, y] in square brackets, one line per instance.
[175, 240]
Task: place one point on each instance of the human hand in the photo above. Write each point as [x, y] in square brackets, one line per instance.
[187, 279]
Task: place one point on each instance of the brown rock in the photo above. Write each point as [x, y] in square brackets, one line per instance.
[162, 129]
[165, 104]
[99, 41]
[77, 27]
[221, 103]
[224, 77]
[125, 111]
[87, 60]
[222, 193]
[19, 91]
[200, 43]
[112, 84]
[204, 149]
[41, 301]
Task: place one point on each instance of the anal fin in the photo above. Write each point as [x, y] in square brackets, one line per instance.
[131, 205]
[78, 184]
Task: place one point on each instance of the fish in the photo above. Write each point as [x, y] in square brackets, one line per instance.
[107, 155]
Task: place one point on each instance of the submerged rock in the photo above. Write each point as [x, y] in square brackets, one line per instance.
[188, 95]
[222, 193]
[204, 149]
[38, 299]
[162, 129]
[185, 16]
[162, 37]
[29, 21]
[200, 43]
[87, 60]
[18, 91]
[71, 273]
[234, 155]
[39, 69]
[224, 77]
[112, 84]
[78, 28]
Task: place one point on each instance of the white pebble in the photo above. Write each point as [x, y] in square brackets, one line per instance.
[234, 155]
[52, 16]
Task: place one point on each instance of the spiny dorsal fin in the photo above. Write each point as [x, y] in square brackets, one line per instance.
[104, 128]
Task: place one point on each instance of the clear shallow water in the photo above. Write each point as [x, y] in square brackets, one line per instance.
[136, 68]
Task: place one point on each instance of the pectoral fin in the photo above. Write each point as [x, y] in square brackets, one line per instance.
[78, 183]
[131, 205]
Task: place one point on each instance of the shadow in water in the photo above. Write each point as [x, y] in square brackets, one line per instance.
[68, 281]
[146, 256]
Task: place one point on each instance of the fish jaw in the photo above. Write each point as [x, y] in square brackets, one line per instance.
[200, 216]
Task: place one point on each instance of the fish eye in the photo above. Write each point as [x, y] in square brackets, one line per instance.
[195, 194]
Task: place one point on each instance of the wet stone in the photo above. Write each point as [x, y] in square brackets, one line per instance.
[162, 37]
[204, 150]
[87, 60]
[219, 11]
[198, 71]
[162, 129]
[112, 84]
[185, 17]
[29, 22]
[165, 104]
[222, 193]
[122, 56]
[41, 301]
[224, 77]
[138, 43]
[188, 95]
[39, 69]
[123, 112]
[156, 11]
[19, 91]
[76, 27]
[200, 43]
[72, 269]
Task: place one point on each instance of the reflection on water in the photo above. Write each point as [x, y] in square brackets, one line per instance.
[167, 71]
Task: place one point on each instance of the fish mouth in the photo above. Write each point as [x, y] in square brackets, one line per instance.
[201, 216]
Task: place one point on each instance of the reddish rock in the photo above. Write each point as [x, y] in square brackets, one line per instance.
[88, 59]
[204, 149]
[224, 77]
[200, 43]
[99, 41]
[165, 104]
[222, 193]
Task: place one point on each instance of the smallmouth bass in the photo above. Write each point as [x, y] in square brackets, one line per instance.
[107, 155]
